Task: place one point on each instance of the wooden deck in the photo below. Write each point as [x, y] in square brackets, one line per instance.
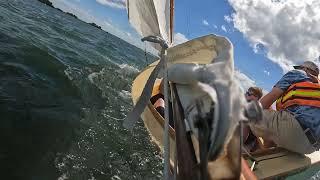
[278, 162]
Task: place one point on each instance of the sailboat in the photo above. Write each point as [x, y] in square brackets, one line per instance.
[207, 103]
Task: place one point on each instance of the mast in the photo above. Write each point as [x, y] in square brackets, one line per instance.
[171, 20]
[153, 20]
[127, 5]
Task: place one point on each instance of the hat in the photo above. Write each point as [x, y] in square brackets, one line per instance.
[310, 65]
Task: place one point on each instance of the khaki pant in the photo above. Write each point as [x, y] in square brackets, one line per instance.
[282, 128]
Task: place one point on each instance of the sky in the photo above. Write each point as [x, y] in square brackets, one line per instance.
[269, 36]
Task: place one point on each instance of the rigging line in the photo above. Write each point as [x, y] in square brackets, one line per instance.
[188, 20]
[145, 51]
[166, 139]
[171, 20]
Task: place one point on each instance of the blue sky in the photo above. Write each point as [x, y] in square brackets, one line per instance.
[268, 36]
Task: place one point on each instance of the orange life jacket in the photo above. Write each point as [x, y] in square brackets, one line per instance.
[302, 93]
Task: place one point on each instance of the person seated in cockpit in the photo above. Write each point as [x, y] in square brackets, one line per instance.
[157, 100]
[296, 123]
[250, 141]
[157, 97]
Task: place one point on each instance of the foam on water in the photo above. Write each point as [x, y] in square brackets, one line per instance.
[125, 94]
[92, 76]
[128, 69]
[63, 177]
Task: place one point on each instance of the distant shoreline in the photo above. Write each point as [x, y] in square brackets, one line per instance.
[48, 3]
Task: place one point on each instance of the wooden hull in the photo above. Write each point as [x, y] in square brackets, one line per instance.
[151, 118]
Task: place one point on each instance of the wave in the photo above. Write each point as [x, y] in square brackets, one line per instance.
[129, 69]
[116, 79]
[125, 94]
[93, 76]
[59, 79]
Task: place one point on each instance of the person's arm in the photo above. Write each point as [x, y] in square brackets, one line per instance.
[267, 100]
[282, 85]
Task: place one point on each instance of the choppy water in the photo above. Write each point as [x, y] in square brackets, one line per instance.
[64, 90]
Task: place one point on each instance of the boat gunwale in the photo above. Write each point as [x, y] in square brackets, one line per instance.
[160, 119]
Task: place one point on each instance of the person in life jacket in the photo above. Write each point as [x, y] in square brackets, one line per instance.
[296, 123]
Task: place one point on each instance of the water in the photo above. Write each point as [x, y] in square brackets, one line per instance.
[64, 90]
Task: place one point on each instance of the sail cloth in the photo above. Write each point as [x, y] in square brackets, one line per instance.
[150, 17]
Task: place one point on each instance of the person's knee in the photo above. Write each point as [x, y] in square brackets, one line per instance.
[159, 103]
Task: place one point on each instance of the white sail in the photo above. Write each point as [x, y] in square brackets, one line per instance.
[150, 17]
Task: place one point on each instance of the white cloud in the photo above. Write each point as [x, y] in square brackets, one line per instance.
[223, 27]
[228, 19]
[72, 7]
[179, 38]
[205, 22]
[121, 4]
[107, 23]
[266, 72]
[244, 81]
[215, 26]
[288, 29]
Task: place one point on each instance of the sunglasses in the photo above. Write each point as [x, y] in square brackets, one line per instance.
[249, 94]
